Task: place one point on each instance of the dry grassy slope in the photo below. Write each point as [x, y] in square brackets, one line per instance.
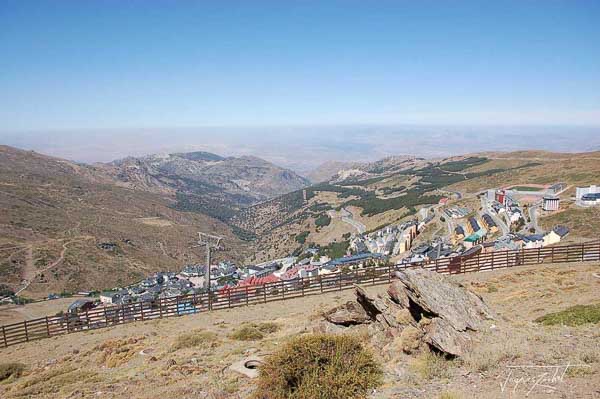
[574, 169]
[51, 204]
[85, 364]
[579, 169]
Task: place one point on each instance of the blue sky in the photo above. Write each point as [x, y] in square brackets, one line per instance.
[152, 64]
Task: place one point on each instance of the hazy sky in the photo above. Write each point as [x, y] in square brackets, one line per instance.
[98, 80]
[304, 148]
[132, 64]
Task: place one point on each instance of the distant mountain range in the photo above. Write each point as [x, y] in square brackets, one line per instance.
[245, 180]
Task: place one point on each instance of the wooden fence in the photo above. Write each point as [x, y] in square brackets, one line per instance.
[106, 316]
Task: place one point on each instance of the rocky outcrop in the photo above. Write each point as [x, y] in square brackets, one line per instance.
[421, 307]
[435, 295]
[348, 314]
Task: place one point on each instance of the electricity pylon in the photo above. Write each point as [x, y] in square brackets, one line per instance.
[210, 242]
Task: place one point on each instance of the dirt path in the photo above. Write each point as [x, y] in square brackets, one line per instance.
[28, 279]
[29, 271]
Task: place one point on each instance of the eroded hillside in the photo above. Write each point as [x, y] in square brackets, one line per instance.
[69, 227]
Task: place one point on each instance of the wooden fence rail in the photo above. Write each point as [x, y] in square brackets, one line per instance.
[106, 316]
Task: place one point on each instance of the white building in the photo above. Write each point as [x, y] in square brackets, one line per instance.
[581, 191]
[551, 203]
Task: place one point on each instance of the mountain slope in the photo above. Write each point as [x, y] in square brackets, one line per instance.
[394, 188]
[204, 182]
[248, 179]
[70, 226]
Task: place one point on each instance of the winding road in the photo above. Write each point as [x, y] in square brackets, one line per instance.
[348, 217]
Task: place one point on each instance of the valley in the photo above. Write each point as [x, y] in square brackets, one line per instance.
[72, 227]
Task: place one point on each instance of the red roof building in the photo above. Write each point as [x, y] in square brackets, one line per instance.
[249, 284]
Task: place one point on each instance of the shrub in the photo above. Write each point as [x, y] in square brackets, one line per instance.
[56, 382]
[254, 332]
[322, 221]
[319, 366]
[430, 365]
[12, 369]
[194, 339]
[301, 238]
[492, 288]
[573, 316]
[247, 333]
[449, 395]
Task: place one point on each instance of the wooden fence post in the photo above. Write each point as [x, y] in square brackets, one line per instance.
[389, 273]
[105, 317]
[340, 281]
[247, 299]
[142, 309]
[321, 283]
[265, 292]
[26, 332]
[552, 254]
[4, 336]
[229, 298]
[210, 304]
[282, 290]
[47, 327]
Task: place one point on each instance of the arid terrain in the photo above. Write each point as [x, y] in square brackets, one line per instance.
[160, 358]
[73, 227]
[393, 189]
[66, 226]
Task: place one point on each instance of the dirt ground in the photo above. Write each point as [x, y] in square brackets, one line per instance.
[16, 313]
[139, 360]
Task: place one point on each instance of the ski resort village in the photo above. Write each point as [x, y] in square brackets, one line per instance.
[503, 219]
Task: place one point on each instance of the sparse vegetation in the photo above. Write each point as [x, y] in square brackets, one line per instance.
[12, 369]
[194, 339]
[573, 316]
[319, 366]
[429, 365]
[55, 381]
[116, 352]
[301, 238]
[335, 249]
[254, 331]
[449, 395]
[323, 220]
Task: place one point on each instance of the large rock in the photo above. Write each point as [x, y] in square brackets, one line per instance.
[348, 314]
[422, 307]
[437, 296]
[440, 334]
[380, 309]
